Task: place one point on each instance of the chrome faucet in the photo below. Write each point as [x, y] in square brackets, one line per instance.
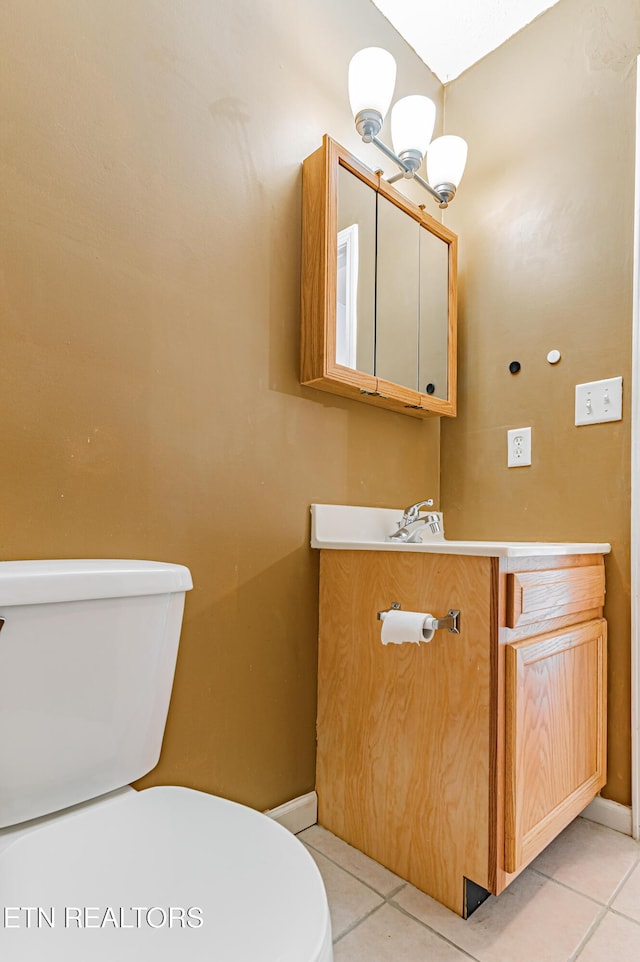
[413, 522]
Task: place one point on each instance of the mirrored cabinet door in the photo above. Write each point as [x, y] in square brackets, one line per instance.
[397, 295]
[378, 290]
[433, 346]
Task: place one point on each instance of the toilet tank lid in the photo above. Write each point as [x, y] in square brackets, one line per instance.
[43, 582]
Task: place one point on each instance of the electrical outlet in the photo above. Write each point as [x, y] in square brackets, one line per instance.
[518, 447]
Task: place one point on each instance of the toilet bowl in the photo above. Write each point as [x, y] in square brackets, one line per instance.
[164, 873]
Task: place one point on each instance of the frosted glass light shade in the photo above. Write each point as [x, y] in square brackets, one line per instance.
[412, 120]
[372, 77]
[446, 158]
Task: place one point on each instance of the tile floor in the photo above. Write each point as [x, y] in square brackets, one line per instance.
[577, 902]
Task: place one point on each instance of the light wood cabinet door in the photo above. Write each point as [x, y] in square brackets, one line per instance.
[555, 729]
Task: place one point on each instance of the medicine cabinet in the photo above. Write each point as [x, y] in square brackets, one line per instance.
[379, 292]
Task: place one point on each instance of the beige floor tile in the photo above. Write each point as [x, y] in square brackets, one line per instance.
[589, 858]
[389, 936]
[374, 874]
[628, 899]
[349, 900]
[534, 920]
[616, 938]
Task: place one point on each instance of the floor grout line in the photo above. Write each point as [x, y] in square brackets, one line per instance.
[389, 899]
[429, 928]
[622, 915]
[588, 934]
[568, 887]
[592, 898]
[622, 884]
[391, 892]
[358, 922]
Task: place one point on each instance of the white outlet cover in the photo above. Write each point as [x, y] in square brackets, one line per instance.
[599, 401]
[519, 447]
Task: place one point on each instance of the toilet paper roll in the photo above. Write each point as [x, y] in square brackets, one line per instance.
[406, 626]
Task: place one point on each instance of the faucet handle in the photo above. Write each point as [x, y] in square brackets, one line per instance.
[411, 513]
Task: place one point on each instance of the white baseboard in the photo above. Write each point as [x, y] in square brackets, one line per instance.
[611, 814]
[302, 812]
[298, 814]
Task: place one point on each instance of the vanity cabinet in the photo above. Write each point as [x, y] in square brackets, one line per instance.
[379, 290]
[455, 763]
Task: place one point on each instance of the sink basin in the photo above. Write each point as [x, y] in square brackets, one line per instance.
[351, 528]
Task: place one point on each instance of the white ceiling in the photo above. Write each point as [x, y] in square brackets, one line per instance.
[450, 35]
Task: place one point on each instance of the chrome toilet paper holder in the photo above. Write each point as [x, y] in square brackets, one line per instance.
[450, 622]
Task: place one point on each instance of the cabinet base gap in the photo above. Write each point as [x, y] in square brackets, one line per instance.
[474, 896]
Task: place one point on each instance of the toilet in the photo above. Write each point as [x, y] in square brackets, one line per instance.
[91, 869]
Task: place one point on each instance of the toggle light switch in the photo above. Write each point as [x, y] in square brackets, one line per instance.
[599, 401]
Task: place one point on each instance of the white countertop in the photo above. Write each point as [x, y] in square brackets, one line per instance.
[352, 528]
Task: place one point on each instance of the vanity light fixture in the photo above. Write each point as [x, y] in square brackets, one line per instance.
[372, 78]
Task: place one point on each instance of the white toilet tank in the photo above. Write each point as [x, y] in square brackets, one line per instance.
[87, 656]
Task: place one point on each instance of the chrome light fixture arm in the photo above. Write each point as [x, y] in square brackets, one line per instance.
[443, 195]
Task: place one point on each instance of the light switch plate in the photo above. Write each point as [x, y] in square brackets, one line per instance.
[599, 401]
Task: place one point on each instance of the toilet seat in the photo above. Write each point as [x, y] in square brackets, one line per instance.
[167, 873]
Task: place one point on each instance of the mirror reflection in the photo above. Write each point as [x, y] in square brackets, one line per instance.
[355, 309]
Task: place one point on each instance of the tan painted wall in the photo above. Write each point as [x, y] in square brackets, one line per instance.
[149, 288]
[151, 184]
[545, 215]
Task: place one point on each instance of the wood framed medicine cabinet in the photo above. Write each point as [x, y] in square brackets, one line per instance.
[379, 290]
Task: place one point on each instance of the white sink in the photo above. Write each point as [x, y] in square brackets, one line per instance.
[350, 528]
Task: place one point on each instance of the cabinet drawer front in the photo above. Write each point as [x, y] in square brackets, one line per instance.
[555, 726]
[538, 595]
